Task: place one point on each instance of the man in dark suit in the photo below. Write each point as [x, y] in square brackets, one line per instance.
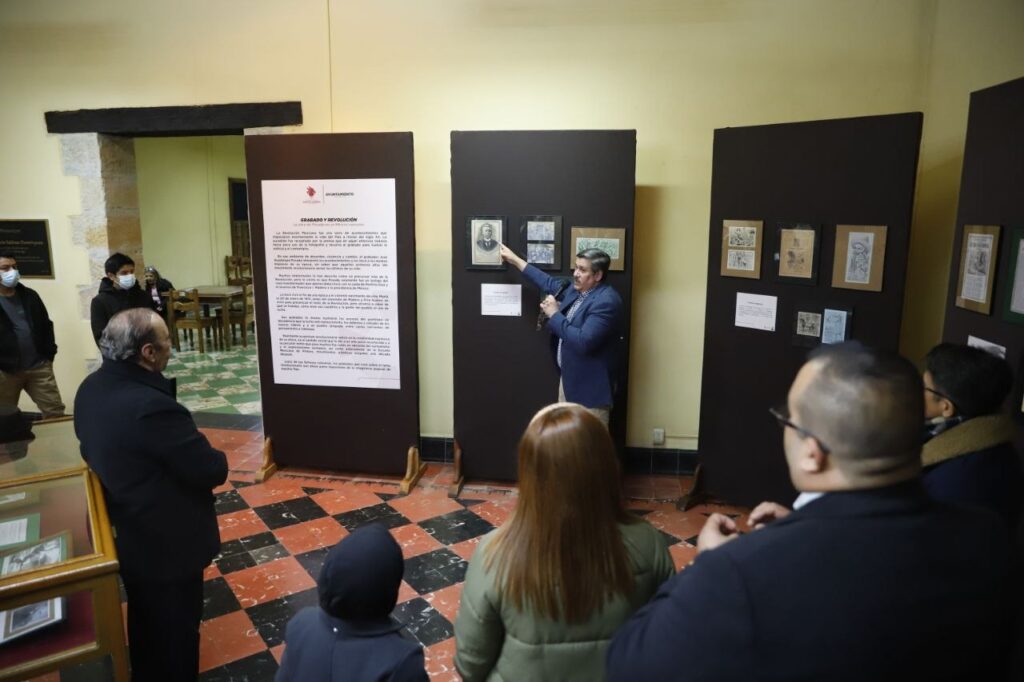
[158, 472]
[586, 329]
[868, 579]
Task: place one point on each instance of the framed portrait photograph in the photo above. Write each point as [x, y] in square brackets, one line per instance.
[978, 252]
[541, 239]
[741, 248]
[860, 257]
[484, 236]
[44, 552]
[835, 324]
[796, 253]
[1013, 308]
[611, 240]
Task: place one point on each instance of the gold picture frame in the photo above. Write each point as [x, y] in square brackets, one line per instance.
[611, 240]
[742, 241]
[859, 257]
[979, 253]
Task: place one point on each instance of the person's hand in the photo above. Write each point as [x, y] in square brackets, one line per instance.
[765, 513]
[718, 530]
[509, 256]
[549, 305]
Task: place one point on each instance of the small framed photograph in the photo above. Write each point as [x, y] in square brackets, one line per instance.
[44, 552]
[1013, 308]
[796, 253]
[741, 248]
[484, 236]
[978, 253]
[807, 326]
[611, 240]
[12, 499]
[860, 257]
[541, 238]
[28, 618]
[835, 324]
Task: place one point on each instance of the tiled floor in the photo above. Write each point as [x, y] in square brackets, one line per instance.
[225, 382]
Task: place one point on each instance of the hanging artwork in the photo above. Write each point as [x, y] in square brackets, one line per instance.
[541, 237]
[796, 254]
[978, 253]
[484, 235]
[611, 240]
[859, 257]
[1013, 309]
[741, 248]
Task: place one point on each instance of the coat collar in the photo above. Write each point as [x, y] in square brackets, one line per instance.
[900, 497]
[360, 628]
[132, 371]
[970, 436]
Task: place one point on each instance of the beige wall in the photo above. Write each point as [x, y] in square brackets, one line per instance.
[673, 69]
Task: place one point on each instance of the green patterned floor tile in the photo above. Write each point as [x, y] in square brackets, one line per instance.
[240, 398]
[227, 409]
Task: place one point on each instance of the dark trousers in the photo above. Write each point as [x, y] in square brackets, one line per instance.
[163, 628]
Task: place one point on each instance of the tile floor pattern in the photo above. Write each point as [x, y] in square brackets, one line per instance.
[225, 382]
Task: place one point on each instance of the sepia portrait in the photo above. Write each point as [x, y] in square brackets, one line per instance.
[484, 236]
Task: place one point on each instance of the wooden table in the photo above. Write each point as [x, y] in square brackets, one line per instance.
[210, 294]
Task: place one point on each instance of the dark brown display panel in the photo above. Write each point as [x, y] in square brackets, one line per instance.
[856, 171]
[503, 370]
[992, 193]
[345, 429]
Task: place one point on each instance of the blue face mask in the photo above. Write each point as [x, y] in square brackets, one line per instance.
[10, 278]
[126, 281]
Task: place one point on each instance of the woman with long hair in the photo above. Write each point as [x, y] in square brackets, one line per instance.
[545, 592]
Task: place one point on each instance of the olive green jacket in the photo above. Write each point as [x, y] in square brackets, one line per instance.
[495, 641]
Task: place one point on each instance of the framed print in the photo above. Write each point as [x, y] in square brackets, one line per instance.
[611, 240]
[44, 552]
[835, 325]
[978, 253]
[807, 326]
[541, 238]
[30, 617]
[796, 254]
[1013, 308]
[860, 257]
[741, 248]
[484, 236]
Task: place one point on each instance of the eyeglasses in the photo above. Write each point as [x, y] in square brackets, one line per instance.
[941, 395]
[781, 415]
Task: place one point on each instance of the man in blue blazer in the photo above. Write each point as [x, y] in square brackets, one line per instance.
[585, 326]
[868, 579]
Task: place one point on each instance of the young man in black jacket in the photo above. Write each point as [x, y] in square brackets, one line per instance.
[27, 347]
[119, 290]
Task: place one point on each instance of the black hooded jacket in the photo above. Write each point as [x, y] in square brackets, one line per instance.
[110, 301]
[42, 331]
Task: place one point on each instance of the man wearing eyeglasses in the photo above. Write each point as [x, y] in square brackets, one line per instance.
[868, 579]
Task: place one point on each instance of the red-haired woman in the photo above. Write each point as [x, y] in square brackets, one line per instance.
[545, 592]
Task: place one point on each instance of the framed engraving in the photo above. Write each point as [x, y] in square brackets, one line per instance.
[978, 253]
[1013, 307]
[484, 236]
[541, 239]
[741, 248]
[835, 324]
[807, 326]
[28, 618]
[796, 253]
[611, 240]
[859, 257]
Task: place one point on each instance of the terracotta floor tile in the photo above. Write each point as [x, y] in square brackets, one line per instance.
[223, 488]
[274, 490]
[309, 535]
[446, 600]
[269, 581]
[680, 524]
[278, 652]
[440, 661]
[345, 499]
[419, 507]
[240, 524]
[682, 554]
[495, 511]
[466, 548]
[405, 592]
[414, 540]
[227, 638]
[210, 572]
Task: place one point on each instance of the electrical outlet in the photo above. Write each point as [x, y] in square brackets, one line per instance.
[659, 436]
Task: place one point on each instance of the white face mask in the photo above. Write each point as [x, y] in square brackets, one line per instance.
[126, 281]
[10, 278]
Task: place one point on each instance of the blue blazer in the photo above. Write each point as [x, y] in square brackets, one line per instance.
[880, 584]
[592, 343]
[321, 648]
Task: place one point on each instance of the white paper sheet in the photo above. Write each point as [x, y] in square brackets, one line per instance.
[13, 532]
[755, 311]
[503, 300]
[993, 348]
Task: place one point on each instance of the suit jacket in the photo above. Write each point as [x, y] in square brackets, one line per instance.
[592, 343]
[42, 331]
[321, 648]
[157, 470]
[880, 584]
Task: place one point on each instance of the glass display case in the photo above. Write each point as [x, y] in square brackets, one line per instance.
[59, 597]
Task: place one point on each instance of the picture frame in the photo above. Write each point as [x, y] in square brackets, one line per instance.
[46, 551]
[836, 323]
[611, 240]
[796, 253]
[483, 253]
[28, 240]
[1013, 301]
[541, 240]
[18, 530]
[741, 248]
[979, 253]
[859, 257]
[807, 325]
[28, 618]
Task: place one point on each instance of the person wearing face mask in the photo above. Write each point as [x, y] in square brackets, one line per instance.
[118, 291]
[27, 346]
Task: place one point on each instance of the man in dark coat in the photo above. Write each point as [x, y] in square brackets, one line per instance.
[118, 291]
[352, 636]
[869, 579]
[158, 472]
[27, 346]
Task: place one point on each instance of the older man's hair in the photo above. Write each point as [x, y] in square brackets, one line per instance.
[599, 260]
[865, 405]
[126, 334]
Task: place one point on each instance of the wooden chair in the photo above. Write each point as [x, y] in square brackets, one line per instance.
[244, 315]
[231, 268]
[184, 312]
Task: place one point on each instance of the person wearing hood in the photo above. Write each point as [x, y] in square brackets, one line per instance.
[118, 291]
[352, 636]
[27, 346]
[968, 455]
